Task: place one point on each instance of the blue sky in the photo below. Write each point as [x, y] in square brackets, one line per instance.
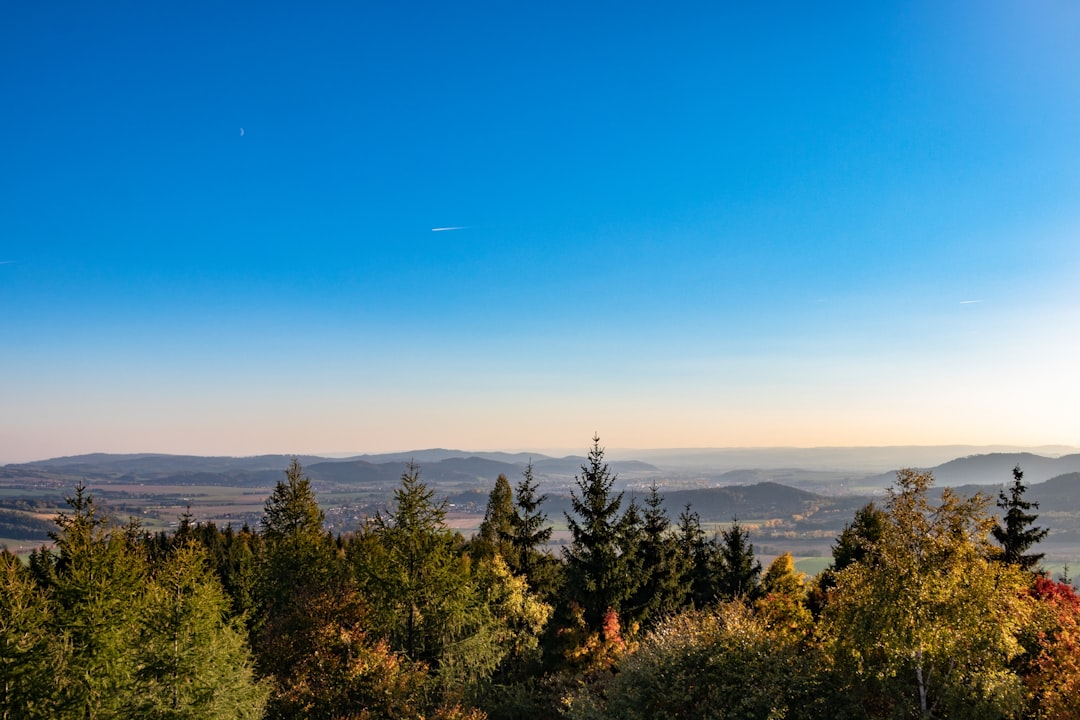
[714, 225]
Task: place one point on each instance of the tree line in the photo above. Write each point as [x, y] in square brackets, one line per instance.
[930, 609]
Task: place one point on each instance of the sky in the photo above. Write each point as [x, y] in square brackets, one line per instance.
[236, 228]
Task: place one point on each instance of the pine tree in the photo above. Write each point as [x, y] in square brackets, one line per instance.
[96, 589]
[529, 533]
[411, 573]
[193, 662]
[234, 557]
[855, 543]
[661, 590]
[29, 655]
[291, 511]
[1016, 535]
[631, 536]
[495, 536]
[857, 540]
[597, 577]
[738, 573]
[696, 560]
[299, 569]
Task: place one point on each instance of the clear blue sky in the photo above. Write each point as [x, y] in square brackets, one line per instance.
[702, 225]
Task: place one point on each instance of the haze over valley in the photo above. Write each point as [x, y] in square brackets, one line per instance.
[792, 499]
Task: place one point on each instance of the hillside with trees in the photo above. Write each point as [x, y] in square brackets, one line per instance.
[933, 607]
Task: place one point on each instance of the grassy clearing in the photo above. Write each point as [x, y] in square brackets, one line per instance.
[812, 565]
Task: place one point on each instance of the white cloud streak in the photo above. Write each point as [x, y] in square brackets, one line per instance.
[444, 229]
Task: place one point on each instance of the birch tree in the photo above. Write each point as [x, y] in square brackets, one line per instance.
[926, 624]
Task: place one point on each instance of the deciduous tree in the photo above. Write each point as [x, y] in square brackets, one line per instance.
[925, 625]
[718, 664]
[1054, 672]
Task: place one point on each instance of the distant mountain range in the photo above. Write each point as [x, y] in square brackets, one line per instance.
[827, 499]
[438, 467]
[993, 469]
[463, 470]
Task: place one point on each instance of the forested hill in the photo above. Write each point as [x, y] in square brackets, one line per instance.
[992, 469]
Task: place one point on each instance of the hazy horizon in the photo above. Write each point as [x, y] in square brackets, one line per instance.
[227, 230]
[869, 458]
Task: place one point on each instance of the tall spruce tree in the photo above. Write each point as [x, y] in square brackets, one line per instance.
[597, 569]
[858, 538]
[529, 533]
[661, 590]
[300, 573]
[696, 559]
[411, 573]
[1015, 534]
[738, 573]
[96, 588]
[193, 660]
[855, 543]
[29, 654]
[495, 536]
[291, 512]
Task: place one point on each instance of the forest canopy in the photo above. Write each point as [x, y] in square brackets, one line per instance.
[930, 608]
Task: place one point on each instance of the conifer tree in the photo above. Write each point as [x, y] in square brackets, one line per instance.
[291, 512]
[299, 571]
[495, 536]
[661, 590]
[781, 578]
[411, 573]
[29, 655]
[738, 573]
[96, 588]
[855, 543]
[782, 601]
[193, 661]
[631, 535]
[529, 533]
[696, 559]
[234, 557]
[857, 540]
[597, 570]
[1015, 534]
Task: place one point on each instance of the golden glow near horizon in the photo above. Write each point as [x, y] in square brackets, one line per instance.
[895, 263]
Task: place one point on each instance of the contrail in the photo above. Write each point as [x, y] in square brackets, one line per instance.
[444, 229]
[970, 302]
